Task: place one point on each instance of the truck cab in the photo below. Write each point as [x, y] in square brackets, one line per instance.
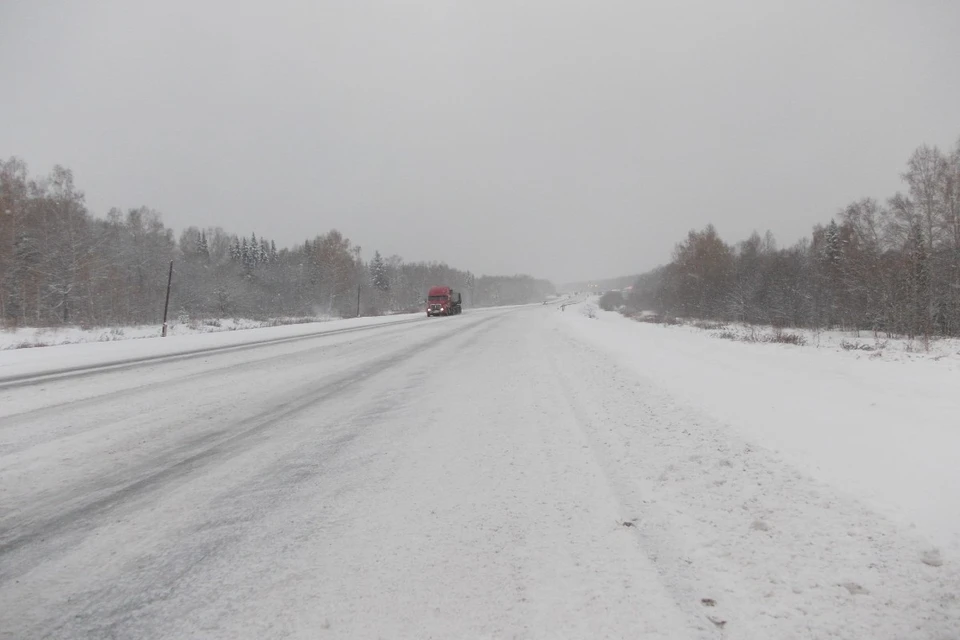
[443, 301]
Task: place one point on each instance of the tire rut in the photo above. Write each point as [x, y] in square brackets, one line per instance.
[153, 478]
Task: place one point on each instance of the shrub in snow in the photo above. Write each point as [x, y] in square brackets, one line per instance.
[782, 337]
[855, 345]
[779, 336]
[709, 325]
[611, 301]
[638, 314]
[28, 345]
[589, 310]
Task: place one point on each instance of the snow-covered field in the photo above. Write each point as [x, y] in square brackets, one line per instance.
[528, 472]
[882, 425]
[859, 344]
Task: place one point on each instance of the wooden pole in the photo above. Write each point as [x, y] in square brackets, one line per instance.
[166, 305]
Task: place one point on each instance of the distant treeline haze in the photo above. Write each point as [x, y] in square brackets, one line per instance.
[889, 266]
[61, 265]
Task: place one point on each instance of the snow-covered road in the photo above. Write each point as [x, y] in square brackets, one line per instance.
[490, 475]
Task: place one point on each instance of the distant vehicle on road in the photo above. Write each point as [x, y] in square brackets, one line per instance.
[443, 301]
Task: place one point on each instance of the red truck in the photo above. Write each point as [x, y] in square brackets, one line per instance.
[443, 301]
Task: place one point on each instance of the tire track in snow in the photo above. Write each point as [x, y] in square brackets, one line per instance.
[104, 393]
[740, 535]
[625, 497]
[158, 584]
[80, 371]
[70, 517]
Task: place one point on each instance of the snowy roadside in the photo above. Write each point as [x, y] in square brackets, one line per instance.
[34, 337]
[883, 431]
[741, 537]
[856, 344]
[42, 361]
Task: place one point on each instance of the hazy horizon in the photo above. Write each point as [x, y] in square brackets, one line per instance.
[564, 140]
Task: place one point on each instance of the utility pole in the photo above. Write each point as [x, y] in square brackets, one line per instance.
[166, 305]
[359, 269]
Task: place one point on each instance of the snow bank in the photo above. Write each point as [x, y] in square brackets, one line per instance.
[31, 337]
[886, 430]
[856, 343]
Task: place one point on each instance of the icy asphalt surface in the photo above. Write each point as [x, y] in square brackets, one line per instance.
[482, 476]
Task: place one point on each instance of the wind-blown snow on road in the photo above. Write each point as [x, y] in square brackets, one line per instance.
[487, 475]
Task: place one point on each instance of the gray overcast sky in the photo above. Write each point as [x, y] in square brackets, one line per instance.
[568, 140]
